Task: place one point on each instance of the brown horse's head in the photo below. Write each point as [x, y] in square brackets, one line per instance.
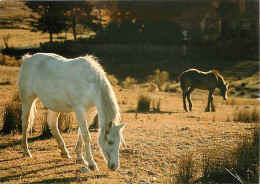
[223, 90]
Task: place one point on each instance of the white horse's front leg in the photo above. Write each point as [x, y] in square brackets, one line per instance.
[81, 118]
[53, 124]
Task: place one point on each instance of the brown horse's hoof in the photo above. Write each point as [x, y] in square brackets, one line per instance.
[207, 110]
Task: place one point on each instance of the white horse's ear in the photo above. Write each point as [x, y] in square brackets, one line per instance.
[121, 125]
[110, 124]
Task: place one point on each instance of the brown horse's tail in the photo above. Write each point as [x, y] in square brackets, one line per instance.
[183, 82]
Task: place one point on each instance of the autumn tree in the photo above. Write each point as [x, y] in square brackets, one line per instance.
[78, 14]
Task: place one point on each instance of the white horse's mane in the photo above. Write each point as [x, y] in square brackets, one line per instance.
[110, 106]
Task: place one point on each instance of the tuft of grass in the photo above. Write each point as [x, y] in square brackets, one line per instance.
[185, 169]
[144, 103]
[156, 105]
[241, 165]
[46, 132]
[247, 116]
[65, 122]
[12, 117]
[231, 101]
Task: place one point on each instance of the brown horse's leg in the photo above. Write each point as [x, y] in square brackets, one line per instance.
[210, 98]
[212, 105]
[188, 97]
[184, 101]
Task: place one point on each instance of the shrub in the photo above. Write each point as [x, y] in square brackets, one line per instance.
[128, 83]
[158, 78]
[245, 116]
[9, 61]
[113, 80]
[12, 117]
[65, 122]
[152, 87]
[185, 169]
[143, 104]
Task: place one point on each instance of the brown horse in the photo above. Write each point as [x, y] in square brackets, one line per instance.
[192, 79]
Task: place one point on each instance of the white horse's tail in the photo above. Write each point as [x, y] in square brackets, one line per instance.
[32, 115]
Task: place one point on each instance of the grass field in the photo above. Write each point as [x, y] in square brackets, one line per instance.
[156, 142]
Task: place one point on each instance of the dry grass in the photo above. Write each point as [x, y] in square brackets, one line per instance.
[240, 165]
[156, 142]
[9, 61]
[247, 115]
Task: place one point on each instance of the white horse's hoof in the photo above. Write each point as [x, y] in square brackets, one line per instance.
[28, 154]
[81, 161]
[93, 167]
[65, 155]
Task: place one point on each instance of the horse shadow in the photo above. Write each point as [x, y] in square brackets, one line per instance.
[17, 142]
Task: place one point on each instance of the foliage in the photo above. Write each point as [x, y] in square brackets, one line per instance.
[78, 13]
[158, 78]
[129, 82]
[50, 17]
[112, 79]
[143, 104]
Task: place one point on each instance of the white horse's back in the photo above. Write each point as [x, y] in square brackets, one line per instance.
[66, 81]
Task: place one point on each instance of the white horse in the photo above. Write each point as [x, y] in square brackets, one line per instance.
[65, 85]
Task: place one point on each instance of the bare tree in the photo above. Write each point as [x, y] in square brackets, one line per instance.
[6, 38]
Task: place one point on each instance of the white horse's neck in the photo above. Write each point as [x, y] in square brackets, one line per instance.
[108, 108]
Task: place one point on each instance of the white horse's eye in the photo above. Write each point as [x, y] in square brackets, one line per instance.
[110, 142]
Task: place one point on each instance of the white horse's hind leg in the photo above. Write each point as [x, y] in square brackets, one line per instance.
[82, 121]
[53, 124]
[80, 158]
[26, 108]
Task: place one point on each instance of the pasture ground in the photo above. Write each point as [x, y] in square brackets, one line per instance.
[156, 142]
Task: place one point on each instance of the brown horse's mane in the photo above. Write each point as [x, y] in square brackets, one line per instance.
[220, 77]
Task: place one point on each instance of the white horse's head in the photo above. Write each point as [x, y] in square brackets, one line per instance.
[110, 144]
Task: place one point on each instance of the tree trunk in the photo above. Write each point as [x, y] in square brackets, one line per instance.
[74, 30]
[51, 36]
